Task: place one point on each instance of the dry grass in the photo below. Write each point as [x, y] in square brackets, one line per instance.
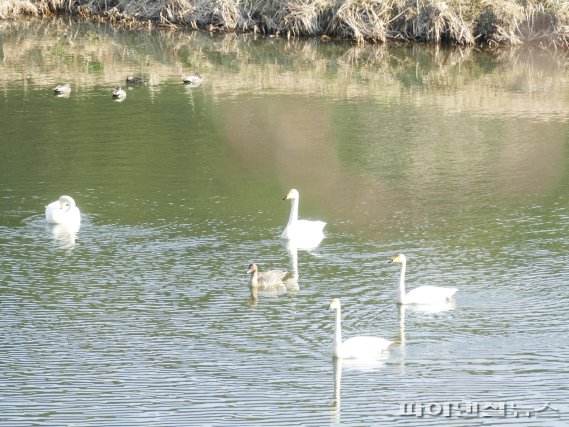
[494, 22]
[435, 21]
[362, 20]
[15, 8]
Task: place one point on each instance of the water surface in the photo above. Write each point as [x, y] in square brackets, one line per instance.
[457, 158]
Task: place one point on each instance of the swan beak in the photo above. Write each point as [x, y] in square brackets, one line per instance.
[390, 261]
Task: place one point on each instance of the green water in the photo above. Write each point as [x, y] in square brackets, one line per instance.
[457, 158]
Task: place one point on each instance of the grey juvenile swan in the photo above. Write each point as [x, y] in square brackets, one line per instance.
[266, 280]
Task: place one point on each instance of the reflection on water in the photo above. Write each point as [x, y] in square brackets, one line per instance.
[64, 235]
[455, 157]
[359, 366]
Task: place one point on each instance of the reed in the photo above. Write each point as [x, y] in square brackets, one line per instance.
[492, 22]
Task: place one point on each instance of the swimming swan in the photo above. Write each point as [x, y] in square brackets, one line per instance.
[300, 229]
[63, 211]
[266, 280]
[422, 294]
[362, 347]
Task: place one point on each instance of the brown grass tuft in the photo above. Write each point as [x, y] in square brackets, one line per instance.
[362, 20]
[13, 9]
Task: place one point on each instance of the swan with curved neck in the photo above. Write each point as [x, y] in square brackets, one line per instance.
[300, 229]
[422, 294]
[63, 211]
[361, 347]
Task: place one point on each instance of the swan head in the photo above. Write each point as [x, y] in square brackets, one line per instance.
[66, 202]
[292, 194]
[252, 268]
[335, 304]
[398, 259]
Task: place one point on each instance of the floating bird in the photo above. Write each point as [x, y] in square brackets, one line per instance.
[119, 93]
[361, 347]
[62, 90]
[301, 229]
[193, 79]
[266, 280]
[422, 294]
[63, 211]
[134, 80]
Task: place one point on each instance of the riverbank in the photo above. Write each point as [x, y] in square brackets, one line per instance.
[500, 22]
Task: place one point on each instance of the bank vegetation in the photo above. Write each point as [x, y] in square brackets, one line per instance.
[464, 22]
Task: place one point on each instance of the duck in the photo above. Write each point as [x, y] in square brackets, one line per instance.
[360, 347]
[62, 90]
[119, 93]
[422, 294]
[63, 211]
[301, 229]
[192, 79]
[134, 80]
[266, 280]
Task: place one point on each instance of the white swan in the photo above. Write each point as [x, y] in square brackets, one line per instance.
[422, 294]
[362, 347]
[301, 229]
[63, 211]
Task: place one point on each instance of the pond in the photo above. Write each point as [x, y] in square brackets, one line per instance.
[457, 158]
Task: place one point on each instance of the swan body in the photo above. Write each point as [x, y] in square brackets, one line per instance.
[63, 211]
[193, 79]
[119, 93]
[362, 347]
[266, 280]
[422, 294]
[62, 90]
[301, 229]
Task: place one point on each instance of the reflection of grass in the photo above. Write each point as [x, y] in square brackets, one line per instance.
[464, 78]
[95, 67]
[455, 21]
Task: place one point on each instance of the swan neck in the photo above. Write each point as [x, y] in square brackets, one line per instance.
[402, 282]
[254, 279]
[293, 211]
